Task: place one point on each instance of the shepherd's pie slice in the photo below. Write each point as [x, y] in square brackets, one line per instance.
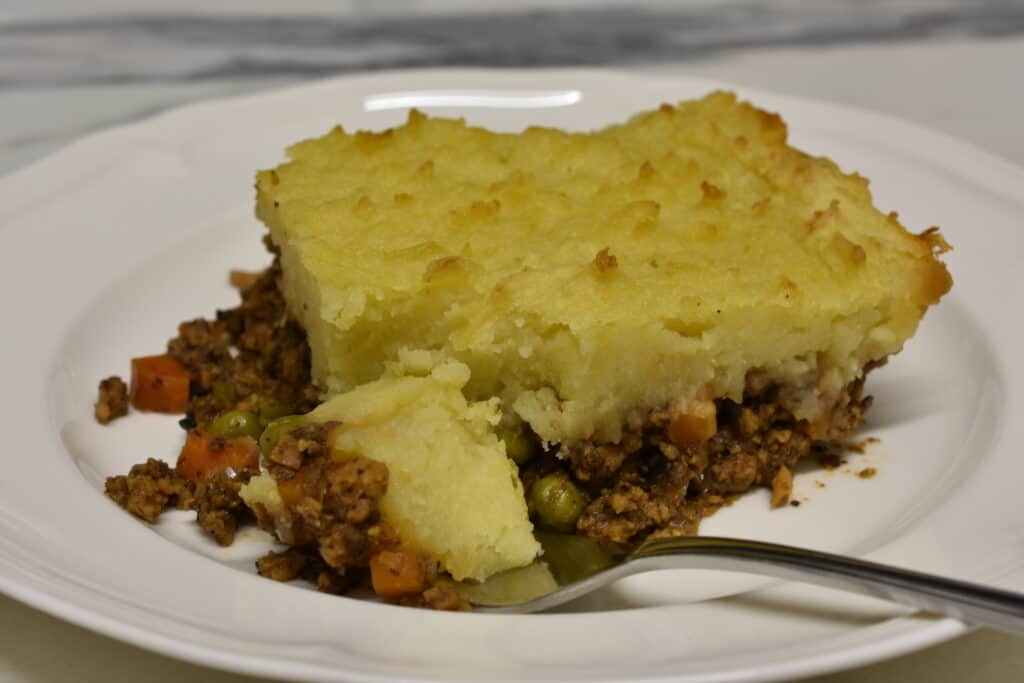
[587, 279]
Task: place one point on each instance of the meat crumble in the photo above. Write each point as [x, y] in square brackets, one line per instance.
[252, 357]
[149, 488]
[112, 401]
[305, 563]
[219, 508]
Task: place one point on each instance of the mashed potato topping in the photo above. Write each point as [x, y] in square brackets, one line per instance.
[587, 278]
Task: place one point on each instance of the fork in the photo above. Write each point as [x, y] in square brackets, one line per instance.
[969, 602]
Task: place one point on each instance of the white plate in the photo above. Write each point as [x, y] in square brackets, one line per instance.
[111, 242]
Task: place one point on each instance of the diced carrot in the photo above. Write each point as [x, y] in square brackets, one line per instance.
[159, 383]
[242, 279]
[293, 490]
[397, 573]
[204, 453]
[694, 425]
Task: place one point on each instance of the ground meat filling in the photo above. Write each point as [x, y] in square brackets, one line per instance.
[283, 566]
[112, 401]
[252, 357]
[333, 505]
[647, 485]
[219, 508]
[255, 358]
[149, 488]
[305, 563]
[440, 597]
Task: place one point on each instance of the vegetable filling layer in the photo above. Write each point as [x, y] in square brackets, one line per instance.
[247, 383]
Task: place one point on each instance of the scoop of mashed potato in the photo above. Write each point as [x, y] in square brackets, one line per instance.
[452, 492]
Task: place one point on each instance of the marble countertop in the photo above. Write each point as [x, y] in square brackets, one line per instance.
[68, 68]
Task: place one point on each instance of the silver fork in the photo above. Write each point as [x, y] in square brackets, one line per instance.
[970, 602]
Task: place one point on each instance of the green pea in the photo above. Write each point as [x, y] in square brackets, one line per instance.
[572, 558]
[557, 502]
[274, 430]
[236, 423]
[518, 445]
[269, 408]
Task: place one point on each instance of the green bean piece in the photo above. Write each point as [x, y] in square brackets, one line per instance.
[557, 502]
[518, 445]
[236, 423]
[274, 430]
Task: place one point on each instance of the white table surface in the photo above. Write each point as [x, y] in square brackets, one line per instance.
[67, 68]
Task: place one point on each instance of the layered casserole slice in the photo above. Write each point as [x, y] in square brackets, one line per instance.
[661, 314]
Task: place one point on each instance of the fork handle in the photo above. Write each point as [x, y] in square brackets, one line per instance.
[969, 602]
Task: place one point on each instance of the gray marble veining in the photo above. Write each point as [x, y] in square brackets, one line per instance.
[70, 67]
[172, 47]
